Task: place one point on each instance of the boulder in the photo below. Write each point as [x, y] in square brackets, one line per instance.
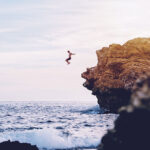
[8, 145]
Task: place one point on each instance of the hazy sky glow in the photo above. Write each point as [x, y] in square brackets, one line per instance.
[35, 35]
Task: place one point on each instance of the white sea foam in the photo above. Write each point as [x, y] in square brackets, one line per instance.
[51, 139]
[54, 125]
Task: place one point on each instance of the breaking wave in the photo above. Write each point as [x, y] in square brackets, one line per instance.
[52, 139]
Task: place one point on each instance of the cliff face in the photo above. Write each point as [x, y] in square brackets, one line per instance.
[131, 130]
[118, 68]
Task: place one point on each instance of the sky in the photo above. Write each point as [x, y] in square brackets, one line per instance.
[36, 34]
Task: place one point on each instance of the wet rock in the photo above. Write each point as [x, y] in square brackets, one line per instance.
[16, 146]
[59, 128]
[132, 128]
[119, 66]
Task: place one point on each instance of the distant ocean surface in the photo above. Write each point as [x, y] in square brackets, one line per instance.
[53, 125]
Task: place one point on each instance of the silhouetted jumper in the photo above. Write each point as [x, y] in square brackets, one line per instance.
[69, 58]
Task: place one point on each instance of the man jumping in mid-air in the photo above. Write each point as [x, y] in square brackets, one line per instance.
[70, 54]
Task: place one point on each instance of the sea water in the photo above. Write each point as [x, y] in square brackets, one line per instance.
[54, 125]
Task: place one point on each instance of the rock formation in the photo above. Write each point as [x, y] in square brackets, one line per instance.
[16, 146]
[119, 66]
[132, 128]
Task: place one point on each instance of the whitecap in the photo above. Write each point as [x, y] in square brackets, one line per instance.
[51, 139]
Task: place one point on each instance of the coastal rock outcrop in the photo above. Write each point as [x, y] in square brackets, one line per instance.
[8, 145]
[132, 127]
[119, 66]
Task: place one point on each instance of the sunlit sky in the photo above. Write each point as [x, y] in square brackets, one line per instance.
[35, 35]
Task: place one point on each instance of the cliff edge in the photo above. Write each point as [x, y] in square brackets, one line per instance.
[119, 66]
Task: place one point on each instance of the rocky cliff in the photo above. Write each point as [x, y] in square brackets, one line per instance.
[131, 130]
[119, 66]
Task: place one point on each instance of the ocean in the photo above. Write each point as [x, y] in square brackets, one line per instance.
[54, 125]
